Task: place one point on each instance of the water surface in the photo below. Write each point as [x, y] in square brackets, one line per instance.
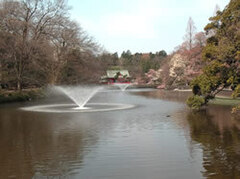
[159, 138]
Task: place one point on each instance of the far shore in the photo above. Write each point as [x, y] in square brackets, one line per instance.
[9, 96]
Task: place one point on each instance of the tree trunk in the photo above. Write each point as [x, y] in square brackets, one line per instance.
[19, 85]
[1, 74]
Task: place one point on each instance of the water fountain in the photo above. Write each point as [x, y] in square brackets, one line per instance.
[122, 86]
[80, 95]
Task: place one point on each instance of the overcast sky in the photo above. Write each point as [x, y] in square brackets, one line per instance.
[141, 25]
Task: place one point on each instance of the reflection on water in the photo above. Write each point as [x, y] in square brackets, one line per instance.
[176, 96]
[220, 140]
[215, 130]
[143, 142]
[33, 145]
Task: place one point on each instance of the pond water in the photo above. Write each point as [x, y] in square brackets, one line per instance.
[158, 138]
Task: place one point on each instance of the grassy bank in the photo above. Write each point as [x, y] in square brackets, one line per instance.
[225, 101]
[7, 96]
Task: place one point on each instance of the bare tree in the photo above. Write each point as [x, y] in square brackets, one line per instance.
[41, 40]
[28, 21]
[217, 8]
[200, 39]
[190, 32]
[67, 38]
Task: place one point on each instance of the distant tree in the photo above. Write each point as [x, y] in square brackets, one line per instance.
[146, 65]
[137, 54]
[217, 8]
[161, 53]
[190, 32]
[115, 55]
[126, 58]
[123, 54]
[211, 32]
[182, 48]
[151, 55]
[200, 39]
[128, 54]
[108, 60]
[115, 58]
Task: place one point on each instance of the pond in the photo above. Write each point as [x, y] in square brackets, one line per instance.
[157, 138]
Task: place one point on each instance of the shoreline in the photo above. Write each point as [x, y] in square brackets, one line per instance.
[11, 96]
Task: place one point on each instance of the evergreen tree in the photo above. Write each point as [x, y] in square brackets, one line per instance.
[221, 54]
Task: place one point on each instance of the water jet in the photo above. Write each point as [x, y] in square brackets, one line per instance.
[122, 86]
[80, 95]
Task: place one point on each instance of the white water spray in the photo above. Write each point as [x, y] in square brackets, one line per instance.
[80, 95]
[122, 86]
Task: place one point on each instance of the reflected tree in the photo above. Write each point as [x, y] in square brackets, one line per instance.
[221, 149]
[38, 146]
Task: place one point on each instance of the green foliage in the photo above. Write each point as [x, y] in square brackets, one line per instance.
[139, 63]
[162, 53]
[117, 75]
[221, 54]
[236, 110]
[146, 65]
[195, 102]
[226, 101]
[208, 81]
[126, 55]
[224, 44]
[209, 52]
[236, 92]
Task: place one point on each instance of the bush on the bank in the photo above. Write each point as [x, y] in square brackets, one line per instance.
[20, 96]
[236, 92]
[195, 102]
[236, 110]
[12, 97]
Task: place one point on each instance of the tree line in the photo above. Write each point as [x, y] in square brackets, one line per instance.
[40, 44]
[138, 63]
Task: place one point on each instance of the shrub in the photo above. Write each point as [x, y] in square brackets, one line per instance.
[195, 102]
[236, 92]
[21, 96]
[236, 110]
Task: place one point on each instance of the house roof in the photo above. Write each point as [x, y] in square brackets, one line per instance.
[112, 73]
